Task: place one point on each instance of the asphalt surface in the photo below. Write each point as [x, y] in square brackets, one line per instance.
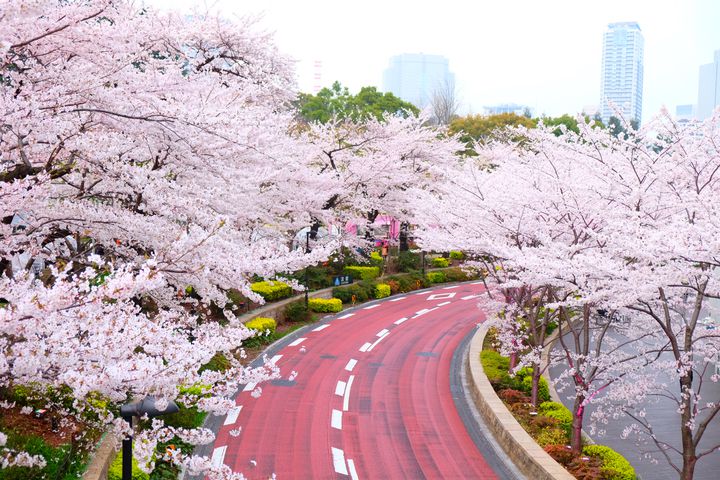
[379, 394]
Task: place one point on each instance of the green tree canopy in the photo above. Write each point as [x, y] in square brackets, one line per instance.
[483, 128]
[337, 101]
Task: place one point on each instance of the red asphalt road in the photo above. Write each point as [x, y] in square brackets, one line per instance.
[396, 419]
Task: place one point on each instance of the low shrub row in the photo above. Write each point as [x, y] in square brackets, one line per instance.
[362, 272]
[496, 368]
[265, 328]
[456, 255]
[440, 262]
[323, 305]
[271, 291]
[382, 290]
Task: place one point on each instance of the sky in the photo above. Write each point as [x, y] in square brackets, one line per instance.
[542, 53]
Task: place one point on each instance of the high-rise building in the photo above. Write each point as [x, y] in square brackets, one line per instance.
[508, 108]
[415, 77]
[709, 88]
[622, 71]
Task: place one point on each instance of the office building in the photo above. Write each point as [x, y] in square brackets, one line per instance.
[508, 108]
[622, 72]
[709, 88]
[415, 77]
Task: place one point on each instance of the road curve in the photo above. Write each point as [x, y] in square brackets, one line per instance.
[372, 398]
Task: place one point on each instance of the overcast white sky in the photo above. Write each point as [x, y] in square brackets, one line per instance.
[542, 53]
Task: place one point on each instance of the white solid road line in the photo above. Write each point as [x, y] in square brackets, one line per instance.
[365, 347]
[346, 398]
[339, 460]
[398, 299]
[347, 315]
[275, 358]
[350, 365]
[371, 306]
[443, 303]
[336, 419]
[377, 341]
[478, 283]
[382, 332]
[398, 322]
[351, 467]
[232, 415]
[249, 386]
[451, 287]
[297, 342]
[321, 327]
[340, 388]
[218, 456]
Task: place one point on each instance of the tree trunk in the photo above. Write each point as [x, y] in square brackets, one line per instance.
[686, 431]
[578, 412]
[535, 386]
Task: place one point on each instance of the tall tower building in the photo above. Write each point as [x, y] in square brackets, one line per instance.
[415, 77]
[622, 71]
[709, 88]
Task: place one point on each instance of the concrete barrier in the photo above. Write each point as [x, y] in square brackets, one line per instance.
[519, 446]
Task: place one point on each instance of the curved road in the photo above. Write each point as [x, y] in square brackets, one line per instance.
[372, 398]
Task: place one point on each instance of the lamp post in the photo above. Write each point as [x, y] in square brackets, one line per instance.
[307, 250]
[146, 406]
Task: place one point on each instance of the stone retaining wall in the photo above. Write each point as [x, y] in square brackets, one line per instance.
[519, 446]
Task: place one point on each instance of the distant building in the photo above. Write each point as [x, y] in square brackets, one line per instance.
[415, 77]
[709, 88]
[622, 71]
[684, 113]
[508, 108]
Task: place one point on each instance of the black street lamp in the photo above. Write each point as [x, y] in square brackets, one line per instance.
[146, 406]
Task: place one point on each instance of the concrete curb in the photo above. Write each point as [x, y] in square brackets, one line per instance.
[518, 445]
[102, 458]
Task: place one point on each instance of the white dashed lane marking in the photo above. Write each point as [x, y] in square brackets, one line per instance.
[275, 359]
[321, 327]
[249, 387]
[218, 456]
[336, 419]
[443, 303]
[351, 467]
[350, 365]
[398, 322]
[365, 346]
[232, 415]
[424, 311]
[346, 397]
[297, 342]
[382, 332]
[347, 315]
[384, 335]
[451, 287]
[468, 297]
[371, 306]
[340, 388]
[339, 461]
[398, 299]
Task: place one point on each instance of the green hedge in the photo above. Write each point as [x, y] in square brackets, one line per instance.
[440, 262]
[456, 255]
[331, 305]
[408, 282]
[497, 367]
[614, 465]
[559, 412]
[435, 277]
[262, 324]
[382, 290]
[218, 363]
[115, 470]
[272, 291]
[363, 273]
[362, 291]
[408, 261]
[297, 312]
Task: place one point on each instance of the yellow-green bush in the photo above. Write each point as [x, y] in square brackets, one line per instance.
[614, 466]
[271, 291]
[456, 255]
[331, 305]
[435, 277]
[363, 273]
[262, 324]
[115, 470]
[440, 262]
[382, 290]
[559, 412]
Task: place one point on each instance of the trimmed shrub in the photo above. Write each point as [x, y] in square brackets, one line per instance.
[456, 255]
[435, 277]
[272, 291]
[382, 290]
[456, 274]
[440, 262]
[323, 305]
[410, 281]
[558, 412]
[408, 261]
[115, 470]
[185, 417]
[613, 465]
[551, 436]
[262, 324]
[297, 312]
[543, 389]
[513, 396]
[560, 454]
[218, 363]
[376, 259]
[345, 294]
[394, 286]
[363, 273]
